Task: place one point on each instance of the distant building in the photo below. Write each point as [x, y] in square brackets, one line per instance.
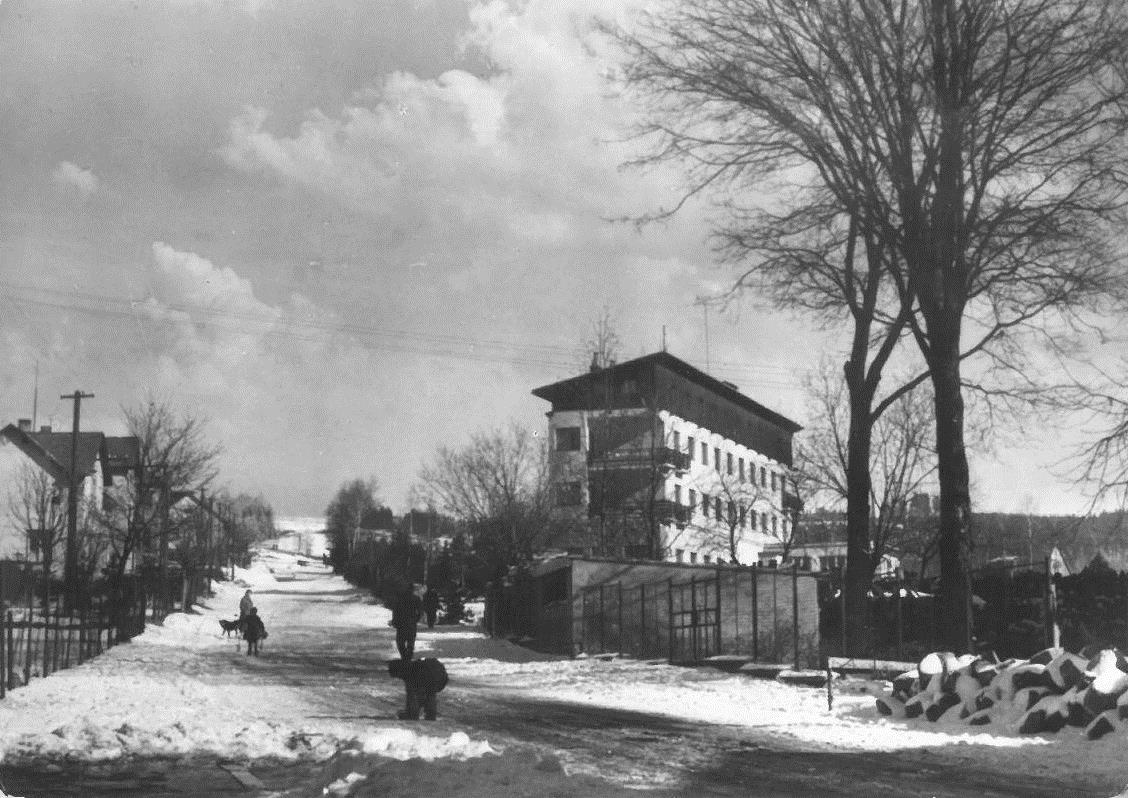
[655, 459]
[101, 461]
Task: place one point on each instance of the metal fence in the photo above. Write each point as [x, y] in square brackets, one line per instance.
[1015, 609]
[757, 614]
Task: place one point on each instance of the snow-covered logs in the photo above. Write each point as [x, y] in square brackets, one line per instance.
[1045, 693]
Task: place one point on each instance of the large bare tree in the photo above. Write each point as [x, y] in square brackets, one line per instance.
[174, 458]
[978, 143]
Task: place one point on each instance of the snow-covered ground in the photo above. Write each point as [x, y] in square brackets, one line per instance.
[319, 694]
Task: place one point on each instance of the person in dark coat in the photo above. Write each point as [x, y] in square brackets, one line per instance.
[423, 680]
[431, 606]
[254, 631]
[406, 612]
[246, 604]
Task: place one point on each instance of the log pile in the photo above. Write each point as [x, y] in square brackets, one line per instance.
[1046, 693]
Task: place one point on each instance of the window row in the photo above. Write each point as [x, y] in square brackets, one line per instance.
[681, 555]
[726, 463]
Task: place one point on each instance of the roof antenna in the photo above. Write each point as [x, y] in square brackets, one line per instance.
[35, 396]
[663, 337]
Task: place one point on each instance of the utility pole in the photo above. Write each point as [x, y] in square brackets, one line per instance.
[70, 564]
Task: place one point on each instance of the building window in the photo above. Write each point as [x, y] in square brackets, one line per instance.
[764, 523]
[707, 559]
[740, 463]
[567, 439]
[689, 447]
[743, 517]
[680, 554]
[677, 494]
[731, 512]
[775, 525]
[763, 477]
[773, 481]
[718, 509]
[569, 494]
[717, 458]
[728, 462]
[692, 499]
[675, 438]
[693, 556]
[704, 453]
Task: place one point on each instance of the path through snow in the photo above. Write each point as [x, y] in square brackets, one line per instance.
[317, 712]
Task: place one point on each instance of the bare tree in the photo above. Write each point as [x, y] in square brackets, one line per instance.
[602, 345]
[173, 458]
[902, 457]
[497, 483]
[979, 142]
[36, 506]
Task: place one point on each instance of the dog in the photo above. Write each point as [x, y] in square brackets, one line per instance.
[231, 626]
[423, 680]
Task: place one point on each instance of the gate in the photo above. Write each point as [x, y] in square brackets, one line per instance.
[694, 620]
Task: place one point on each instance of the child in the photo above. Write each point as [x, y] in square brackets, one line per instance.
[423, 680]
[254, 632]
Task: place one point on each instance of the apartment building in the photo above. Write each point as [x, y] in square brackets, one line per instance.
[654, 459]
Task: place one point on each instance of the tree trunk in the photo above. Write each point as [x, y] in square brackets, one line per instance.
[954, 623]
[859, 572]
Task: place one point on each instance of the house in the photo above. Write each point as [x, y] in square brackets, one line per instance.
[654, 459]
[101, 461]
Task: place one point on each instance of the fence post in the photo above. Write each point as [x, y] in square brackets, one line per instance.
[30, 635]
[670, 618]
[602, 623]
[842, 611]
[620, 618]
[583, 620]
[642, 621]
[11, 651]
[1048, 608]
[755, 611]
[693, 613]
[795, 611]
[720, 648]
[900, 574]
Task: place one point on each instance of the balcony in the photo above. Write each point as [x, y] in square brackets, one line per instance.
[666, 511]
[663, 457]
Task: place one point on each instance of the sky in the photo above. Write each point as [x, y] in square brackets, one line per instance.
[183, 692]
[346, 233]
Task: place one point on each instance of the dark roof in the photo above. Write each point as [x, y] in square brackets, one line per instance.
[680, 367]
[52, 450]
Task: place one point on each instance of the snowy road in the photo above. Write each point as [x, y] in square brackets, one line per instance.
[183, 711]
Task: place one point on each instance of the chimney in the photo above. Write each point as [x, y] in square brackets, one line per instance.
[594, 362]
[24, 424]
[45, 428]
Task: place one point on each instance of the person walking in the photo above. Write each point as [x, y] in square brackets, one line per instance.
[431, 606]
[407, 609]
[255, 631]
[246, 604]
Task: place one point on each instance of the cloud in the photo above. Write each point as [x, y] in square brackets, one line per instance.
[74, 177]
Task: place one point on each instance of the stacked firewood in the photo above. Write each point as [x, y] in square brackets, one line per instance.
[1045, 693]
